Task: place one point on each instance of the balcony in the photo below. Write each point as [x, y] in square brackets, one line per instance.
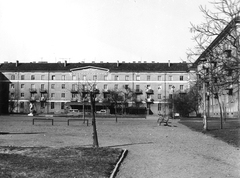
[96, 91]
[149, 100]
[33, 90]
[74, 99]
[33, 99]
[149, 91]
[43, 99]
[106, 91]
[138, 101]
[43, 90]
[84, 91]
[74, 90]
[138, 92]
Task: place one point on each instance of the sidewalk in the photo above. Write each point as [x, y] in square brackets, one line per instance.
[167, 152]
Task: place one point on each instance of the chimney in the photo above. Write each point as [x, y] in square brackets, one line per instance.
[139, 61]
[117, 63]
[169, 64]
[153, 61]
[123, 61]
[145, 61]
[65, 63]
[17, 62]
[101, 61]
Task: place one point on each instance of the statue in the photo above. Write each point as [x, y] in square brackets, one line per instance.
[31, 108]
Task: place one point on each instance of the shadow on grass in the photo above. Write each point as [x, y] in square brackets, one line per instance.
[15, 133]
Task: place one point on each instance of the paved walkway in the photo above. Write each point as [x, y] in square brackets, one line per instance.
[176, 151]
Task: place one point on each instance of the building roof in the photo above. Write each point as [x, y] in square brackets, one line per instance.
[113, 67]
[219, 38]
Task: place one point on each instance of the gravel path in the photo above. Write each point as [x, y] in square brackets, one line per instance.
[153, 151]
[178, 152]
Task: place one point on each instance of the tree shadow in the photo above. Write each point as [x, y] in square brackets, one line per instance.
[14, 133]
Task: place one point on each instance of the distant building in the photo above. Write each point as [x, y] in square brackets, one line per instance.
[53, 87]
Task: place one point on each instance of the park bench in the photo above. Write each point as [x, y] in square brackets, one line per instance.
[46, 118]
[77, 120]
[163, 119]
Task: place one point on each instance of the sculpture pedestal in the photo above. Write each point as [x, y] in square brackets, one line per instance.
[30, 114]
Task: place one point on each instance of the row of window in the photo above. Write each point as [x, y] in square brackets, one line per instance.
[84, 77]
[105, 86]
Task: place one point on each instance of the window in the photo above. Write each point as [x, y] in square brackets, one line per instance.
[116, 86]
[11, 85]
[74, 77]
[137, 87]
[63, 77]
[170, 78]
[52, 95]
[52, 105]
[159, 78]
[148, 78]
[95, 77]
[127, 77]
[42, 86]
[159, 96]
[33, 86]
[170, 87]
[138, 77]
[52, 86]
[12, 77]
[63, 86]
[21, 104]
[181, 87]
[181, 77]
[105, 87]
[126, 87]
[22, 77]
[159, 87]
[53, 77]
[22, 95]
[63, 95]
[22, 85]
[159, 107]
[105, 77]
[62, 105]
[12, 95]
[32, 77]
[84, 77]
[42, 77]
[116, 77]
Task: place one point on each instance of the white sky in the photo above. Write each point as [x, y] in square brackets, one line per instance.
[97, 30]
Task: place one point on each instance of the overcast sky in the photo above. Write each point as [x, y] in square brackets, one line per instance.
[97, 30]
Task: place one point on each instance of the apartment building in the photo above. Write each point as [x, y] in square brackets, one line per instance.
[218, 68]
[53, 87]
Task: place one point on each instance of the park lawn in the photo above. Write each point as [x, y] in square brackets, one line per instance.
[47, 162]
[229, 134]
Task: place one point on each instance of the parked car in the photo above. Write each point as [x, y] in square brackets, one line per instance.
[102, 111]
[73, 112]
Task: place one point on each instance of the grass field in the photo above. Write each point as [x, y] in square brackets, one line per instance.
[44, 162]
[230, 132]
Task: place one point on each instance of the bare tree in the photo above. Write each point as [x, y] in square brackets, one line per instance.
[217, 50]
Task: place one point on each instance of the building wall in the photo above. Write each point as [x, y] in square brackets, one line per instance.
[24, 89]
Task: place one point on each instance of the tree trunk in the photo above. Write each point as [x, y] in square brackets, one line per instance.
[221, 113]
[95, 137]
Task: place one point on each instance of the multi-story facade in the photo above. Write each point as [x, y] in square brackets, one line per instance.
[219, 67]
[54, 86]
